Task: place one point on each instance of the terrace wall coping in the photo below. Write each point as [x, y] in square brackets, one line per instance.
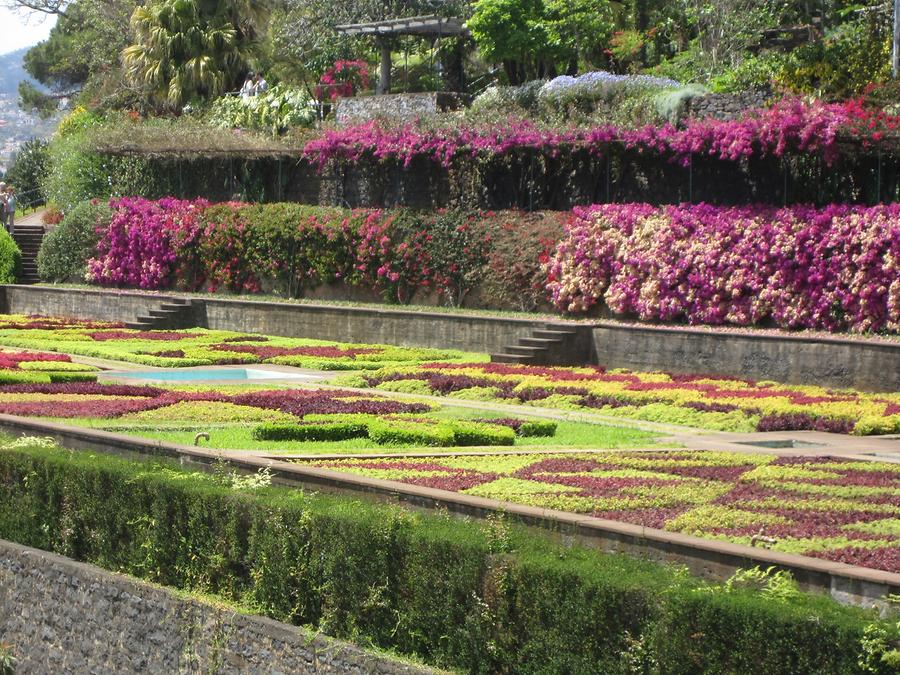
[846, 583]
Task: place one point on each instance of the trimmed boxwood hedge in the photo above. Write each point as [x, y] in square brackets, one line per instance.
[481, 597]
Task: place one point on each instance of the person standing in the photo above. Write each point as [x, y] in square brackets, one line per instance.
[10, 209]
[259, 85]
[3, 198]
[249, 88]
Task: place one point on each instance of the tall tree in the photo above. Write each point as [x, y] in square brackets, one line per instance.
[187, 49]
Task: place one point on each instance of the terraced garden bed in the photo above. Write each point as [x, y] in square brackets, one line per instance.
[200, 347]
[837, 509]
[702, 401]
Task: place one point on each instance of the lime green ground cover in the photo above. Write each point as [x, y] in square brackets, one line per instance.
[201, 347]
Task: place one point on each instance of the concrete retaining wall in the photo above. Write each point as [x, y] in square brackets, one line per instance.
[61, 616]
[831, 362]
[326, 322]
[867, 365]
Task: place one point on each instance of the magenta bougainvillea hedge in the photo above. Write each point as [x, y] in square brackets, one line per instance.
[792, 126]
[835, 268]
[838, 509]
[709, 402]
[291, 248]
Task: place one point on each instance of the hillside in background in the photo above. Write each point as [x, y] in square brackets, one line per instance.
[12, 71]
[16, 126]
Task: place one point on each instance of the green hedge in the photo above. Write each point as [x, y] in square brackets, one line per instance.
[483, 598]
[10, 258]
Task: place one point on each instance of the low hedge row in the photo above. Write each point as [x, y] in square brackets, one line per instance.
[449, 433]
[483, 598]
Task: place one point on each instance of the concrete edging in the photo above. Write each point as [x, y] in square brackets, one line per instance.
[717, 560]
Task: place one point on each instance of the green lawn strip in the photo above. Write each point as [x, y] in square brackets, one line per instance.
[239, 436]
[478, 596]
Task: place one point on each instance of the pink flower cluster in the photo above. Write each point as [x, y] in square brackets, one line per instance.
[792, 126]
[136, 249]
[344, 78]
[833, 268]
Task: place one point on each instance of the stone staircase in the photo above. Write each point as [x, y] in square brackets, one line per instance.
[552, 344]
[173, 314]
[28, 238]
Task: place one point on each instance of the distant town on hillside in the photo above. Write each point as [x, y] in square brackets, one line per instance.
[16, 126]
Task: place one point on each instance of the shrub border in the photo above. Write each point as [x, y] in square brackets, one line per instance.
[847, 584]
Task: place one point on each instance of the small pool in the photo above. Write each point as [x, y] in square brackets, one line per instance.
[209, 374]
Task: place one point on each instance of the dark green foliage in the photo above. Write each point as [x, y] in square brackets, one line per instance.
[309, 432]
[467, 433]
[482, 598]
[534, 428]
[28, 170]
[10, 258]
[72, 377]
[66, 249]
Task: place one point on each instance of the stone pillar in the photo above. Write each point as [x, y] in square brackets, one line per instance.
[384, 74]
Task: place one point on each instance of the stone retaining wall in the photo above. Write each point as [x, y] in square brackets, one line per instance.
[867, 365]
[396, 107]
[831, 362]
[61, 616]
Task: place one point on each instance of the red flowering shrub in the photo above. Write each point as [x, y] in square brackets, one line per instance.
[343, 79]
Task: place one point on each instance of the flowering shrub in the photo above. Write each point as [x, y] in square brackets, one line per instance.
[292, 248]
[835, 268]
[343, 79]
[791, 126]
[831, 508]
[717, 403]
[138, 248]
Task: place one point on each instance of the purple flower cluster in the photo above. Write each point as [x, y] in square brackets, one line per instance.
[138, 247]
[833, 268]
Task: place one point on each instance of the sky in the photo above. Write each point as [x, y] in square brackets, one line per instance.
[22, 29]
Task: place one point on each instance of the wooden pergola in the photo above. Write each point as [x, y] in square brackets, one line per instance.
[429, 26]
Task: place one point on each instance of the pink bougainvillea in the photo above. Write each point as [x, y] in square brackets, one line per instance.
[136, 248]
[835, 268]
[792, 126]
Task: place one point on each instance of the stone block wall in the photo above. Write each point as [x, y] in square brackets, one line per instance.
[60, 616]
[830, 362]
[728, 106]
[400, 107]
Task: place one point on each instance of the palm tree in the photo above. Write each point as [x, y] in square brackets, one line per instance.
[185, 48]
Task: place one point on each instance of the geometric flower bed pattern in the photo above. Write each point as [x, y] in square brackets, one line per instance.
[200, 347]
[707, 402]
[842, 510]
[21, 367]
[275, 415]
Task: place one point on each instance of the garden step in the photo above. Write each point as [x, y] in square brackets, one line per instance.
[524, 351]
[164, 313]
[552, 333]
[510, 358]
[539, 342]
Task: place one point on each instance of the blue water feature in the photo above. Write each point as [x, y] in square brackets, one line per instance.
[190, 375]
